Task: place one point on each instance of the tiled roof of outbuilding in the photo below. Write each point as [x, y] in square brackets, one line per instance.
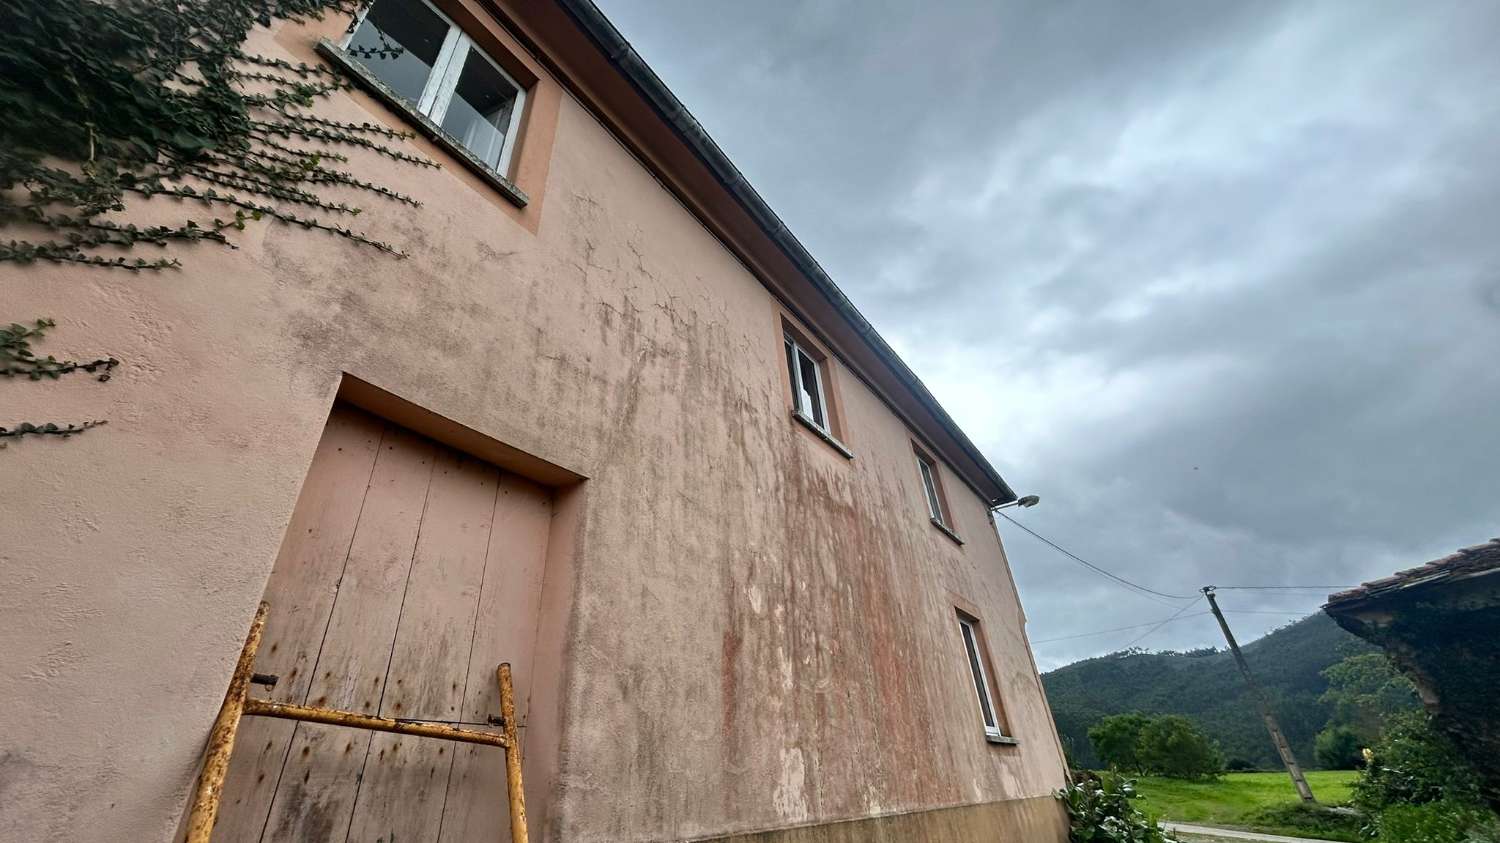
[1467, 562]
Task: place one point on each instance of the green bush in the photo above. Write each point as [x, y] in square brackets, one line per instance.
[1297, 819]
[1437, 822]
[1116, 739]
[1169, 745]
[1339, 748]
[1099, 811]
[1414, 764]
[1173, 746]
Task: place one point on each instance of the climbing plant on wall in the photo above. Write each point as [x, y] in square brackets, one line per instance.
[17, 360]
[107, 103]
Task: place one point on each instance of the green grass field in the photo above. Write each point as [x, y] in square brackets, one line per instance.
[1255, 801]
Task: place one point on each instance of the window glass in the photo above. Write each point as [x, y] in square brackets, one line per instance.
[399, 41]
[480, 111]
[976, 669]
[791, 372]
[929, 485]
[812, 398]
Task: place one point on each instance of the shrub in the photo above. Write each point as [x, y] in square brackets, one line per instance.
[1116, 740]
[1414, 764]
[1299, 820]
[1239, 765]
[1173, 746]
[1437, 822]
[1099, 811]
[1339, 748]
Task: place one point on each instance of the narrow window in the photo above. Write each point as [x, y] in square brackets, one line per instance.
[930, 487]
[422, 56]
[807, 385]
[970, 630]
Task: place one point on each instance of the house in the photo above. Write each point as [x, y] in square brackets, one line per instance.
[609, 423]
[1440, 623]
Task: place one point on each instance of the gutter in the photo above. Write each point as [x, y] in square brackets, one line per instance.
[629, 63]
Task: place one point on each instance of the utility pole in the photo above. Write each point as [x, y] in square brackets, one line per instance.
[1282, 747]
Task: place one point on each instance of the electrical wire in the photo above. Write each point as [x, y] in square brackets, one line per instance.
[1174, 617]
[1269, 612]
[1164, 622]
[1095, 568]
[1282, 587]
[1116, 629]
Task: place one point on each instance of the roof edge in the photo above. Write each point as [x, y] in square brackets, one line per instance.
[624, 58]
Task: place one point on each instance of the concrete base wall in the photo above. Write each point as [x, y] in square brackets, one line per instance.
[1037, 820]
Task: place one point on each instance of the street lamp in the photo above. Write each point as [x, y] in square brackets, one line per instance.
[1027, 501]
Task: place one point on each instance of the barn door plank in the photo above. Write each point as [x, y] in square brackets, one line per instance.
[505, 631]
[405, 779]
[321, 776]
[301, 592]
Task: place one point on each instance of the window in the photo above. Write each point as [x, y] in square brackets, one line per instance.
[808, 397]
[424, 58]
[930, 486]
[975, 650]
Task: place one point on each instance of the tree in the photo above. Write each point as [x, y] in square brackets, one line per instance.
[1116, 740]
[1366, 691]
[1339, 748]
[1173, 746]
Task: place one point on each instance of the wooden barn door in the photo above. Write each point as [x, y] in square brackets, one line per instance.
[408, 572]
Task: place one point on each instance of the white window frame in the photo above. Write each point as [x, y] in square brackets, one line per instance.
[974, 652]
[798, 388]
[928, 469]
[442, 82]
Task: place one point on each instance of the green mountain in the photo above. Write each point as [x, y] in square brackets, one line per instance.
[1205, 686]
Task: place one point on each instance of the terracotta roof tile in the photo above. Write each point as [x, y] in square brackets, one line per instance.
[1470, 560]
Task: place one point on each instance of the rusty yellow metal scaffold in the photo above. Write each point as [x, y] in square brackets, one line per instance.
[238, 704]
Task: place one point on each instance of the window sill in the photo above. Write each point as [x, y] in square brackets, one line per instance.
[823, 434]
[432, 131]
[1002, 740]
[947, 531]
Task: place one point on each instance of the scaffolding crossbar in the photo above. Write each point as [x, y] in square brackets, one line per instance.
[239, 704]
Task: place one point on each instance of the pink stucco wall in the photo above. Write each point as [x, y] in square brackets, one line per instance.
[760, 632]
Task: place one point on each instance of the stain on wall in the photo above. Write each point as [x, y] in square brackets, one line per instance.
[761, 632]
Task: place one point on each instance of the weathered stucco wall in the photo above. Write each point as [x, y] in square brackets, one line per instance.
[760, 632]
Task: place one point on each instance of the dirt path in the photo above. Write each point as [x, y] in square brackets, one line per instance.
[1208, 834]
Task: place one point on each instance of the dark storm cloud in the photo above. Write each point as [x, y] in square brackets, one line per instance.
[1220, 281]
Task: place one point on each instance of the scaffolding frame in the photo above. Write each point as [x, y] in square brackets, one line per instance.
[238, 704]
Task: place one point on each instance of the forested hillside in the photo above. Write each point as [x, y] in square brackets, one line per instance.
[1205, 686]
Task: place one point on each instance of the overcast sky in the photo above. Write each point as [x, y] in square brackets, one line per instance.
[1220, 281]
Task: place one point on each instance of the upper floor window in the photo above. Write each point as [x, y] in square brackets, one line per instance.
[808, 396]
[419, 54]
[974, 649]
[930, 488]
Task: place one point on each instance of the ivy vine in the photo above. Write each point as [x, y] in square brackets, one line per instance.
[17, 360]
[106, 102]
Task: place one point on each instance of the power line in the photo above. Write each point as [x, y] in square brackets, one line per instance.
[1143, 635]
[1154, 623]
[1268, 612]
[1116, 629]
[1095, 568]
[1282, 587]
